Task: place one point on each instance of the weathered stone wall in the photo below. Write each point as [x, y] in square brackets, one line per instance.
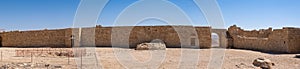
[277, 41]
[103, 36]
[141, 34]
[204, 36]
[49, 38]
[68, 37]
[284, 40]
[293, 39]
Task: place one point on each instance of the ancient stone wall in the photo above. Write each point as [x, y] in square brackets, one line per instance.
[103, 36]
[204, 35]
[49, 38]
[141, 34]
[293, 39]
[284, 40]
[277, 41]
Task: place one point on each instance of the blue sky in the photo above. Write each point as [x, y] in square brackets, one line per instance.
[51, 14]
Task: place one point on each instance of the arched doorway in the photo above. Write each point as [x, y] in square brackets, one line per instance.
[221, 33]
[193, 39]
[215, 40]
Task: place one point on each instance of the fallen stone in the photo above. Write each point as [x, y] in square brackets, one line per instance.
[47, 65]
[263, 63]
[153, 45]
[143, 46]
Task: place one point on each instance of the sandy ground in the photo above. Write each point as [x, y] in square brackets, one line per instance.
[172, 58]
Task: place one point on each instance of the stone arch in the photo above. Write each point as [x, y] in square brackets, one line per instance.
[222, 37]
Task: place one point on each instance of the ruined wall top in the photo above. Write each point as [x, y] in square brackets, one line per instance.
[238, 32]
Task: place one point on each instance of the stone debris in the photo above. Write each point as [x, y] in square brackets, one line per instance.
[44, 53]
[68, 54]
[153, 45]
[263, 63]
[28, 65]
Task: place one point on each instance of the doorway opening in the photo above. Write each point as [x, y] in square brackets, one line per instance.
[215, 40]
[193, 41]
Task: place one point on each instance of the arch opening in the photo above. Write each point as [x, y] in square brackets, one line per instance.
[193, 39]
[215, 40]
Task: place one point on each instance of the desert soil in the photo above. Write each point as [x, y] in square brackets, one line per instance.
[113, 58]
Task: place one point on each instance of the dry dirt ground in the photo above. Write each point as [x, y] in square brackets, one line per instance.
[172, 59]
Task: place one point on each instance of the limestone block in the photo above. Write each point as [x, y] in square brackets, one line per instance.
[154, 45]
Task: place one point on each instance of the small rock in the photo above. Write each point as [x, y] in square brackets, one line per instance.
[142, 46]
[263, 63]
[47, 65]
[21, 65]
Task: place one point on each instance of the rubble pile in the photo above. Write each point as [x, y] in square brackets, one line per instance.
[29, 53]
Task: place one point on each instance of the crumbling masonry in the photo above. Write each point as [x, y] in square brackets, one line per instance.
[286, 40]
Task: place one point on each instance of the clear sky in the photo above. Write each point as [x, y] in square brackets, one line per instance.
[50, 14]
